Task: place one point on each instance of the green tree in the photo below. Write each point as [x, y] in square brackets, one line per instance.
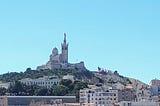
[3, 91]
[69, 84]
[59, 90]
[17, 88]
[66, 82]
[31, 90]
[80, 85]
[42, 91]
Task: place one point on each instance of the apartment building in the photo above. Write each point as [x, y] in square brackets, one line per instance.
[155, 87]
[126, 94]
[100, 96]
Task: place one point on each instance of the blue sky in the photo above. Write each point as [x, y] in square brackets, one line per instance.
[118, 35]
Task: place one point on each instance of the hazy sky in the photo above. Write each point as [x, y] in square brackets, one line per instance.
[121, 35]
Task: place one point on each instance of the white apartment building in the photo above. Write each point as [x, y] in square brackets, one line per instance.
[143, 94]
[155, 87]
[99, 96]
[46, 81]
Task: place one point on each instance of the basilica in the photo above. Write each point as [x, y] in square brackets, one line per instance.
[60, 60]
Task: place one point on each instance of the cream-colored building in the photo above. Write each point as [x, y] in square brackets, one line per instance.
[46, 81]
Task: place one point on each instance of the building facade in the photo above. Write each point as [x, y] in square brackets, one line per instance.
[143, 94]
[46, 81]
[126, 94]
[28, 100]
[155, 87]
[99, 96]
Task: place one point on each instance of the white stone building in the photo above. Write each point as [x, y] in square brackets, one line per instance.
[143, 94]
[4, 85]
[46, 81]
[69, 77]
[57, 60]
[60, 60]
[100, 96]
[155, 87]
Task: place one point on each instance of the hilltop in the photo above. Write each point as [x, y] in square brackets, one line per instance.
[109, 78]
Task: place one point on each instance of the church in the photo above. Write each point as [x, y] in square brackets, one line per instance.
[57, 60]
[63, 57]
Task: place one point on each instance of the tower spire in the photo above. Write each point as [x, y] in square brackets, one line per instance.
[64, 37]
[64, 50]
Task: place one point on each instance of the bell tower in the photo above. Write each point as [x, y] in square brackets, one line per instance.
[64, 50]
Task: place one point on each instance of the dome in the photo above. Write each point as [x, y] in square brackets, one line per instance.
[55, 51]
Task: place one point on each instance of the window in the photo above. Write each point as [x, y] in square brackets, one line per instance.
[129, 104]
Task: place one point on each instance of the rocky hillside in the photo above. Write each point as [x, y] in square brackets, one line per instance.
[116, 80]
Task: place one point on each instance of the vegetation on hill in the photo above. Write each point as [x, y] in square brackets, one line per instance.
[66, 87]
[29, 73]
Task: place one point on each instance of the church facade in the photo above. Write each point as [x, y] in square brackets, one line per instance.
[61, 60]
